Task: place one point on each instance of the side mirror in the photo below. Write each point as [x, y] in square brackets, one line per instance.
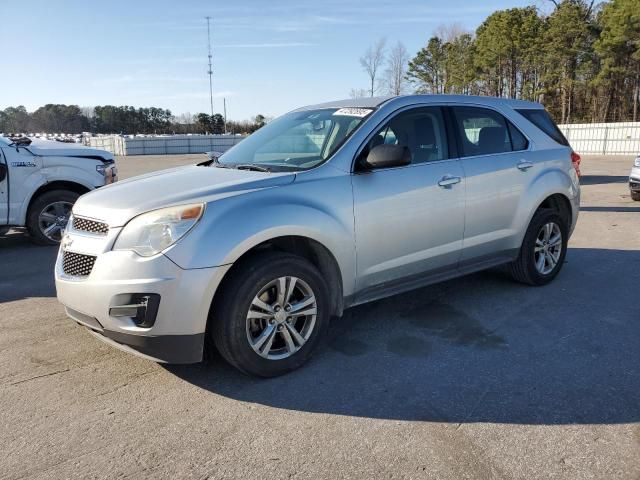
[386, 156]
[3, 171]
[214, 156]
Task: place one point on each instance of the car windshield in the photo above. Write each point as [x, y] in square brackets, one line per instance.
[296, 141]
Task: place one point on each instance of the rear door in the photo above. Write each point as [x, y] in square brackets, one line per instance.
[497, 171]
[4, 190]
[409, 220]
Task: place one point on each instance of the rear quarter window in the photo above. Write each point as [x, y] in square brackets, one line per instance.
[541, 119]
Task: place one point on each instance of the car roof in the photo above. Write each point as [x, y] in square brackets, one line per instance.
[373, 102]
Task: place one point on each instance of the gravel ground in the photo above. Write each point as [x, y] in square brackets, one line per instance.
[473, 378]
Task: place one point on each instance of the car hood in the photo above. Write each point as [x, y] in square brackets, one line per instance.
[51, 148]
[118, 203]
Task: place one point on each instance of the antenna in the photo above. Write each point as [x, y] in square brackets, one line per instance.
[210, 71]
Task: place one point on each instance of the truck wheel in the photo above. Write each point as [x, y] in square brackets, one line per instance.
[48, 216]
[270, 314]
[543, 249]
[635, 196]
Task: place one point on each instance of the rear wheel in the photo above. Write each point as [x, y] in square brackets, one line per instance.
[270, 314]
[543, 249]
[48, 216]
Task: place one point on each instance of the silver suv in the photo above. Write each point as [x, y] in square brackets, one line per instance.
[326, 207]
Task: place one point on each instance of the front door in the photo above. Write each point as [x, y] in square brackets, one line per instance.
[409, 221]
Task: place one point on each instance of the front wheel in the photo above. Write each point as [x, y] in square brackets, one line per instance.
[48, 216]
[635, 196]
[270, 314]
[543, 249]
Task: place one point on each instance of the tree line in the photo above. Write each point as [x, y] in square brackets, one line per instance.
[57, 118]
[582, 61]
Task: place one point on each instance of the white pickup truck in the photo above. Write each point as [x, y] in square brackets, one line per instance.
[40, 180]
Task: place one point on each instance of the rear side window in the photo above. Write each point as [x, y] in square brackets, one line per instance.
[518, 140]
[541, 119]
[484, 132]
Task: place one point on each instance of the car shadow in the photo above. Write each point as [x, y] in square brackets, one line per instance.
[603, 179]
[476, 349]
[26, 269]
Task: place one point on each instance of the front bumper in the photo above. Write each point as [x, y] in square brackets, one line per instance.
[178, 332]
[634, 183]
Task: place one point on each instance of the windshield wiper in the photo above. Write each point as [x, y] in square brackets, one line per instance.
[251, 166]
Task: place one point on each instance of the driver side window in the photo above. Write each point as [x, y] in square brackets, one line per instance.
[421, 130]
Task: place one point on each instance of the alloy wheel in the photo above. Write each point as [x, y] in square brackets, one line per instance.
[281, 318]
[53, 219]
[548, 248]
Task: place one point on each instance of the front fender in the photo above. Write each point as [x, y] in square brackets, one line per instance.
[49, 175]
[233, 226]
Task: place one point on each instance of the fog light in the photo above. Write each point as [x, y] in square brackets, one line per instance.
[142, 309]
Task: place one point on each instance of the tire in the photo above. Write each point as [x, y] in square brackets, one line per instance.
[56, 203]
[233, 332]
[635, 196]
[524, 269]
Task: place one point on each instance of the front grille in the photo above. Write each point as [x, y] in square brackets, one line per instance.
[76, 264]
[91, 226]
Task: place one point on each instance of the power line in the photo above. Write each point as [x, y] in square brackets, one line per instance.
[210, 71]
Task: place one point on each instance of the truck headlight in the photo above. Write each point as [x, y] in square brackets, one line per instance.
[155, 231]
[109, 172]
[637, 161]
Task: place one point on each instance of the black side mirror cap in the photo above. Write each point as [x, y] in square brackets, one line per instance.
[387, 156]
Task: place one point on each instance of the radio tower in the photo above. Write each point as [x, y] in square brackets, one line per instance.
[210, 71]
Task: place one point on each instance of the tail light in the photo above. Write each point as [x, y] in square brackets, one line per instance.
[575, 161]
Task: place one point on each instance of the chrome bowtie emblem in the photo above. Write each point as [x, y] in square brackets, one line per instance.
[66, 242]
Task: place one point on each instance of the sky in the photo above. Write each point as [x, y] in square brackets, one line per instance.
[269, 56]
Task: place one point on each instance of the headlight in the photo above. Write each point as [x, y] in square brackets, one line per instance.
[637, 162]
[153, 232]
[109, 172]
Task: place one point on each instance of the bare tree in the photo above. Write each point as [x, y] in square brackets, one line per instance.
[397, 69]
[358, 93]
[448, 33]
[371, 62]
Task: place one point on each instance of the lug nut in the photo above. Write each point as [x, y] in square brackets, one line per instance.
[272, 321]
[288, 308]
[277, 308]
[280, 327]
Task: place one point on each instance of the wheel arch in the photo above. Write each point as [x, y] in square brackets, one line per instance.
[561, 204]
[78, 188]
[308, 248]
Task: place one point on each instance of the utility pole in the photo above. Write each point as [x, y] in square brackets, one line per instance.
[224, 103]
[210, 71]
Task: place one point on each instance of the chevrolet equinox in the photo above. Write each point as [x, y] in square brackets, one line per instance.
[329, 206]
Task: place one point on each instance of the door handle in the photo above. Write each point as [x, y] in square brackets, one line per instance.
[524, 165]
[448, 180]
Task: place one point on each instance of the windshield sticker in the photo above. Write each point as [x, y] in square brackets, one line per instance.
[353, 112]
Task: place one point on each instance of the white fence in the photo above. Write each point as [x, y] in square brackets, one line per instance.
[585, 138]
[164, 145]
[604, 138]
